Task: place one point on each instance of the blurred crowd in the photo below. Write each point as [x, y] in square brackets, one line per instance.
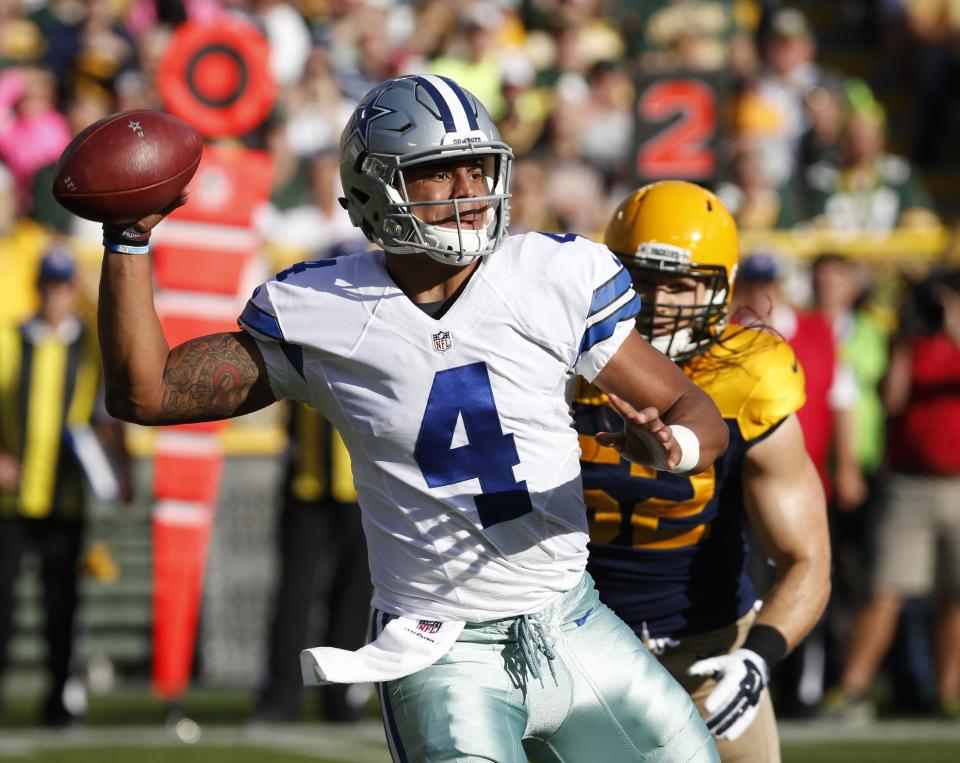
[799, 145]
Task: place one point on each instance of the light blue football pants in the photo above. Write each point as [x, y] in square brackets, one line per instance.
[570, 684]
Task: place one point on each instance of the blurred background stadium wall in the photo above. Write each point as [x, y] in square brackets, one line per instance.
[827, 128]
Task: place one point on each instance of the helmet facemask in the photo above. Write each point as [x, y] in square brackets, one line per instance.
[678, 331]
[404, 232]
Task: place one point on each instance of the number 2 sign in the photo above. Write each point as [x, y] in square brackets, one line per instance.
[677, 128]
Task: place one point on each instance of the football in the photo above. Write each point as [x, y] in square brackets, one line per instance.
[127, 166]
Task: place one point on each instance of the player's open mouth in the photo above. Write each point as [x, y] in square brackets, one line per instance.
[474, 220]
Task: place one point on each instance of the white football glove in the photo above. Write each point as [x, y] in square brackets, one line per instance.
[741, 677]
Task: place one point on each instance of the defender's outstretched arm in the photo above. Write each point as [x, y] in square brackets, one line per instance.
[658, 396]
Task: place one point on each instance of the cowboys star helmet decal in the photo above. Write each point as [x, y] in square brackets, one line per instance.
[368, 114]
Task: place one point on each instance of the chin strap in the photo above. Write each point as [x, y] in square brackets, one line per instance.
[448, 242]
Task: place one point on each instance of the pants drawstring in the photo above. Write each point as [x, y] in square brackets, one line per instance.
[532, 638]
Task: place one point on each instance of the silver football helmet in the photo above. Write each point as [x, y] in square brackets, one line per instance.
[417, 120]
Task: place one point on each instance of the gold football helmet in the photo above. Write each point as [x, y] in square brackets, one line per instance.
[676, 228]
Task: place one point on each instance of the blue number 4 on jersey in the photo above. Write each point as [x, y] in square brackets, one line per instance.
[464, 393]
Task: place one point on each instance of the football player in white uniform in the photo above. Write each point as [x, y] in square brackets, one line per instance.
[445, 361]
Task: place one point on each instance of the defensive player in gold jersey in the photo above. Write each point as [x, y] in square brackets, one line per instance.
[668, 551]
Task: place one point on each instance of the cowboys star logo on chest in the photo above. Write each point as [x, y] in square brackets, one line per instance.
[442, 341]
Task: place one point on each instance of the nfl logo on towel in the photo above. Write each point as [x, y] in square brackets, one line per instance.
[442, 341]
[429, 626]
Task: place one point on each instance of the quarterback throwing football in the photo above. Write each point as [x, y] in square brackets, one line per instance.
[669, 551]
[444, 360]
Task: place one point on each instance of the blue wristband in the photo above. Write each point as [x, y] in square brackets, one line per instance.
[125, 240]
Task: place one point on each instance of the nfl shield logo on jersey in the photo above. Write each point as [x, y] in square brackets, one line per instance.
[442, 341]
[429, 626]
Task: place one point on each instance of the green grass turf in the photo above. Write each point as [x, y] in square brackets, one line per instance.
[827, 753]
[873, 752]
[219, 711]
[165, 755]
[139, 707]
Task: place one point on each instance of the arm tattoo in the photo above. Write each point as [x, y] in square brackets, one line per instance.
[212, 377]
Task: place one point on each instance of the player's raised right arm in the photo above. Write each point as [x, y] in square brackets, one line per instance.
[212, 377]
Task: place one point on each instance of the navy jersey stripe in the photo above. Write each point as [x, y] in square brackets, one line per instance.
[610, 292]
[445, 114]
[260, 320]
[464, 101]
[604, 329]
[294, 353]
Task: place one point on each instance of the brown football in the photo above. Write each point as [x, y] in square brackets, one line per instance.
[127, 166]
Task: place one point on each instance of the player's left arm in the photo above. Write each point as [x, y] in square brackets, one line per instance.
[653, 395]
[787, 510]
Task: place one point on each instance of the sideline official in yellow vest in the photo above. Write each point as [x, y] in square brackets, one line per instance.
[49, 379]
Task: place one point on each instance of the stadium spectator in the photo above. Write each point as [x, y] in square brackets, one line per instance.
[318, 221]
[527, 107]
[37, 133]
[289, 178]
[841, 293]
[314, 110]
[103, 50]
[364, 48]
[789, 71]
[580, 38]
[289, 39]
[831, 389]
[917, 549]
[530, 208]
[323, 587]
[680, 35]
[934, 27]
[606, 135]
[575, 194]
[840, 289]
[754, 202]
[471, 54]
[138, 87]
[870, 190]
[825, 105]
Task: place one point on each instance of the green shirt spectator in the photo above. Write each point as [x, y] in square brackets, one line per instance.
[870, 191]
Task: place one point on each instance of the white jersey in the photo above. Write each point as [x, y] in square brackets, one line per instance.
[464, 455]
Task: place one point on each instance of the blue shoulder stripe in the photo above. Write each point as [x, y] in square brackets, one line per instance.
[260, 320]
[464, 101]
[610, 292]
[445, 114]
[604, 329]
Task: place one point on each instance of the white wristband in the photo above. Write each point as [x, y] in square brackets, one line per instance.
[689, 448]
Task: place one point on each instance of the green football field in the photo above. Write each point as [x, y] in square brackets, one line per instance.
[77, 751]
[130, 727]
[866, 753]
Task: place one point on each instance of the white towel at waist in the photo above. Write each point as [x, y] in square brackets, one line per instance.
[403, 647]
